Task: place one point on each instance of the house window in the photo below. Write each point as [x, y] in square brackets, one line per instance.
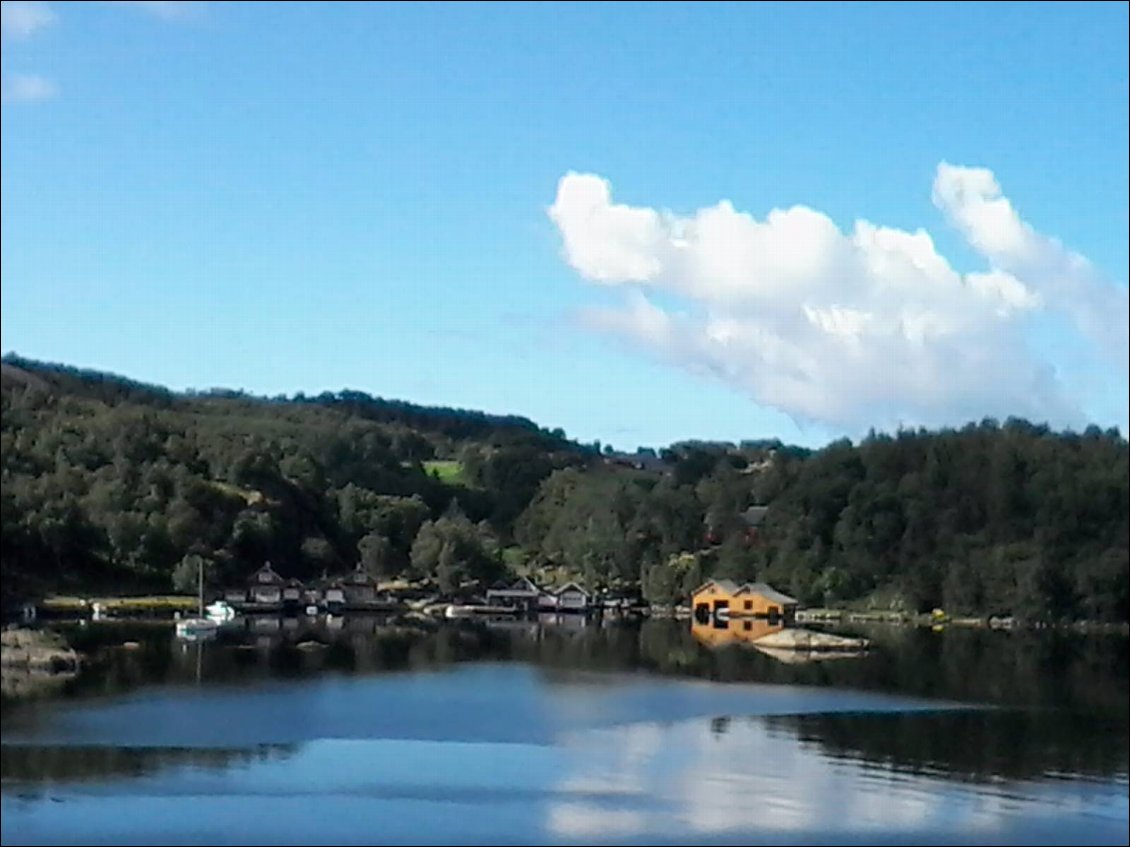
[748, 605]
[747, 626]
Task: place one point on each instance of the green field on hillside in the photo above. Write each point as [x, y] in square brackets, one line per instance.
[449, 471]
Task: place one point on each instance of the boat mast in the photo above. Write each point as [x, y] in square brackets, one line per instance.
[200, 584]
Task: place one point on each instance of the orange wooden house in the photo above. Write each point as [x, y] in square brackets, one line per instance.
[725, 598]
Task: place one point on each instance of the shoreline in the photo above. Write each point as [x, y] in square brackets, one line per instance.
[37, 651]
[167, 607]
[924, 620]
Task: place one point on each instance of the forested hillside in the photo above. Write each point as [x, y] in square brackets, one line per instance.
[109, 484]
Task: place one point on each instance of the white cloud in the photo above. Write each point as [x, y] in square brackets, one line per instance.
[606, 242]
[26, 88]
[23, 19]
[972, 201]
[847, 329]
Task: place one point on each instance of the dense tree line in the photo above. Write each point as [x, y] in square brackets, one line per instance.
[111, 484]
[1006, 519]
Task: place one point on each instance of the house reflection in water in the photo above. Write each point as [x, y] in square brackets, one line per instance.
[721, 632]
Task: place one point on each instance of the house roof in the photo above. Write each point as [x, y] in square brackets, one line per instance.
[359, 577]
[274, 578]
[754, 515]
[523, 586]
[641, 461]
[765, 590]
[727, 585]
[768, 592]
[294, 582]
[570, 585]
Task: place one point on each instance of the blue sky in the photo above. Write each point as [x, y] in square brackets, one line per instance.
[519, 208]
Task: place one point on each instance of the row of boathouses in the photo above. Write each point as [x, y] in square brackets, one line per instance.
[267, 589]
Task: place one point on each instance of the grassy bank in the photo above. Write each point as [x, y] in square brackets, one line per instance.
[153, 603]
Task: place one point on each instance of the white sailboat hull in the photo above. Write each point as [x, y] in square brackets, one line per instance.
[196, 628]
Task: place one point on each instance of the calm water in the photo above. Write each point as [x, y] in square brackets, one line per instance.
[473, 733]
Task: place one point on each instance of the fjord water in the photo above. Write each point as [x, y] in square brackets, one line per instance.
[364, 732]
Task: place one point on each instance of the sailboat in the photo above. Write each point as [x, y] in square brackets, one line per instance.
[199, 626]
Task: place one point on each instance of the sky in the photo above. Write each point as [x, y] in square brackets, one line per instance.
[640, 222]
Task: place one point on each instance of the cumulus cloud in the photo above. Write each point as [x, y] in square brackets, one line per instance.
[26, 88]
[848, 329]
[972, 201]
[23, 19]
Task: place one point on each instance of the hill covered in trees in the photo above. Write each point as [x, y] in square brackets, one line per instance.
[109, 484]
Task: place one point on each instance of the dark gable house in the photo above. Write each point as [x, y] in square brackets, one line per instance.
[571, 598]
[522, 594]
[360, 589]
[265, 586]
[293, 593]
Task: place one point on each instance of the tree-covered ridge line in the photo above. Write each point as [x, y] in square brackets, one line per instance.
[108, 486]
[112, 388]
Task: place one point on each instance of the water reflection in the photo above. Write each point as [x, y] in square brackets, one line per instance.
[751, 776]
[979, 746]
[727, 631]
[534, 732]
[18, 683]
[694, 781]
[30, 764]
[1048, 669]
[1078, 685]
[507, 756]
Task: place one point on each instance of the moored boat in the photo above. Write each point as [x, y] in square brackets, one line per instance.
[219, 611]
[199, 627]
[192, 629]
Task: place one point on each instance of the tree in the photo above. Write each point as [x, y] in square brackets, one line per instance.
[187, 574]
[661, 584]
[426, 549]
[319, 553]
[374, 551]
[449, 574]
